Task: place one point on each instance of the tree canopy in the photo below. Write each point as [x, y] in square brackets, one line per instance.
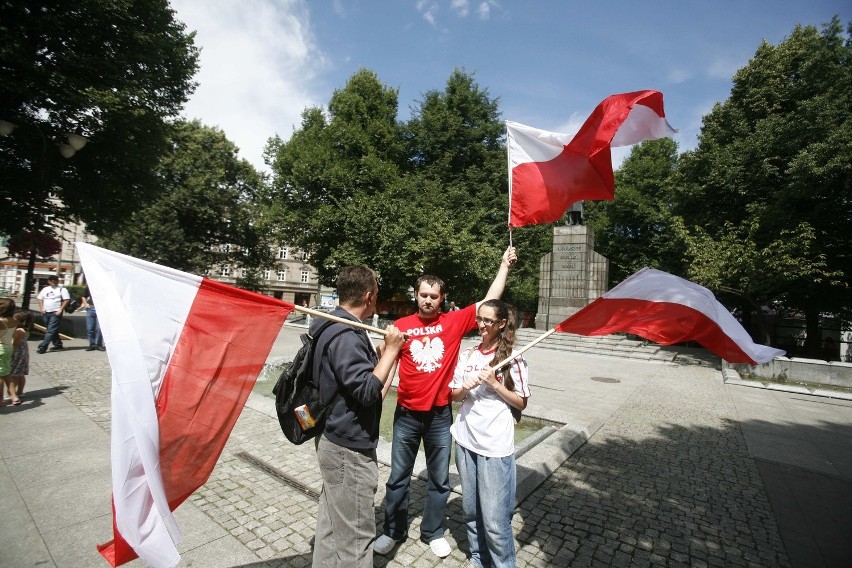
[204, 215]
[766, 194]
[356, 185]
[636, 228]
[113, 72]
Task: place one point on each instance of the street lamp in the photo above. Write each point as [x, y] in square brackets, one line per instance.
[74, 143]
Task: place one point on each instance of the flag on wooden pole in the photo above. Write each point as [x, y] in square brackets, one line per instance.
[185, 352]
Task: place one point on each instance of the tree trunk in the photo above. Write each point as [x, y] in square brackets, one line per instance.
[28, 279]
[813, 339]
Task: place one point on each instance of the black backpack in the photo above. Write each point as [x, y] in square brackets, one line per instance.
[300, 412]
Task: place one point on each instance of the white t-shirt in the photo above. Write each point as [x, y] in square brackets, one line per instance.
[53, 297]
[485, 424]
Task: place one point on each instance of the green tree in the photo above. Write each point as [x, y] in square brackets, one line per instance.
[635, 229]
[204, 215]
[353, 185]
[774, 163]
[333, 171]
[456, 138]
[110, 71]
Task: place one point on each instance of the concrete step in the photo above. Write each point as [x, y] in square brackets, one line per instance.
[612, 345]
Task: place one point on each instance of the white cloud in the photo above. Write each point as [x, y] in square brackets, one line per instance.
[575, 121]
[725, 67]
[460, 7]
[429, 9]
[484, 10]
[258, 61]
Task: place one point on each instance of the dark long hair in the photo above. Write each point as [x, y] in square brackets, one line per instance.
[505, 339]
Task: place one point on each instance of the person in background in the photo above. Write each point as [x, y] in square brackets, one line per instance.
[423, 411]
[8, 325]
[93, 327]
[484, 432]
[20, 367]
[52, 299]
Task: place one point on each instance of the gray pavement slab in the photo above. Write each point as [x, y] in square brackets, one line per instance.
[675, 468]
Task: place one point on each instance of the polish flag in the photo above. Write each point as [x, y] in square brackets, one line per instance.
[185, 352]
[667, 309]
[549, 171]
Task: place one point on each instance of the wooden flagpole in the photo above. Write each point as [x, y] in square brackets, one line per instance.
[509, 164]
[327, 316]
[524, 349]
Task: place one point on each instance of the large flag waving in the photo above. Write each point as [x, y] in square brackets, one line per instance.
[185, 352]
[549, 171]
[667, 309]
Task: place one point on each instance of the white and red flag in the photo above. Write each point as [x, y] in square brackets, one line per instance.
[550, 171]
[667, 309]
[185, 352]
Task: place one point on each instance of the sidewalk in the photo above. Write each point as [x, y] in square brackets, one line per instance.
[679, 469]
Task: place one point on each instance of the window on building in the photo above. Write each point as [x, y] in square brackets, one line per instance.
[225, 248]
[267, 274]
[282, 252]
[282, 275]
[304, 277]
[225, 270]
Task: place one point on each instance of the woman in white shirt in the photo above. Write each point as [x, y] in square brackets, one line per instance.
[485, 434]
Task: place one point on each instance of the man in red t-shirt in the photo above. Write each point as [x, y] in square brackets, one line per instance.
[423, 412]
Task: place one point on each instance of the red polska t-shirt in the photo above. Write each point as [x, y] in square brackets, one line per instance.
[428, 358]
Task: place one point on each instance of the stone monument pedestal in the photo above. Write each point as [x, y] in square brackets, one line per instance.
[571, 276]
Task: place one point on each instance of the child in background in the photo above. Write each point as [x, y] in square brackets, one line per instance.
[8, 325]
[485, 434]
[17, 379]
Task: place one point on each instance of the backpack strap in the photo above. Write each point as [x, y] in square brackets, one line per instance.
[317, 361]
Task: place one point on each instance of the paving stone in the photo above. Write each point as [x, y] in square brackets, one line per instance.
[665, 481]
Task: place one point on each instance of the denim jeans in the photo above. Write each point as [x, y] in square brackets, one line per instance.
[409, 428]
[51, 333]
[93, 328]
[488, 500]
[346, 519]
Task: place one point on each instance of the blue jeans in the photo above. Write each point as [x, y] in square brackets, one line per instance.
[346, 519]
[51, 333]
[93, 328]
[409, 428]
[488, 500]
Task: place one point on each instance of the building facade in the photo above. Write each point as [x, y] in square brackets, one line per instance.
[291, 278]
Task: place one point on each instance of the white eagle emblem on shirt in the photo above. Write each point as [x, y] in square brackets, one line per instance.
[427, 353]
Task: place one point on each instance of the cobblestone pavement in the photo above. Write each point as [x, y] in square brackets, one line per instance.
[666, 481]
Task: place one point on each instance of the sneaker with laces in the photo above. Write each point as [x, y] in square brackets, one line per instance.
[440, 547]
[384, 544]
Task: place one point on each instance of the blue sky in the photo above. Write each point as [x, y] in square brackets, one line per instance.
[549, 62]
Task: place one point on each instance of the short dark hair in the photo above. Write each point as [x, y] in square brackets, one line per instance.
[53, 277]
[353, 282]
[431, 281]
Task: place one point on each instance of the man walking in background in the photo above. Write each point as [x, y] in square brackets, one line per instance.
[52, 300]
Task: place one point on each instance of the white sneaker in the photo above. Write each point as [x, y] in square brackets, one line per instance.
[440, 547]
[384, 544]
